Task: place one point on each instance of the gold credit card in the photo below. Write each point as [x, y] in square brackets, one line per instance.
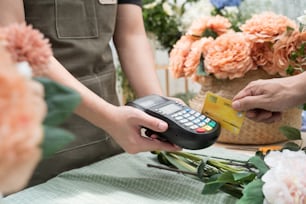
[220, 109]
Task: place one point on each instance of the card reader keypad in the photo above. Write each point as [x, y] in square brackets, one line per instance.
[194, 120]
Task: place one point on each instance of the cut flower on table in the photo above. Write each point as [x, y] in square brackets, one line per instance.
[273, 177]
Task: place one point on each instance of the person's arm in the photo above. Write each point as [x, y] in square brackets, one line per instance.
[265, 99]
[122, 123]
[135, 53]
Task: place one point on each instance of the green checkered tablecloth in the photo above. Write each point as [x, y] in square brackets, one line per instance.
[123, 179]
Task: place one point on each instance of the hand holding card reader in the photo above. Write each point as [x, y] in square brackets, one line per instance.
[187, 128]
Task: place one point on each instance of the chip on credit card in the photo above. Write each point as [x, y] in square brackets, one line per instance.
[220, 109]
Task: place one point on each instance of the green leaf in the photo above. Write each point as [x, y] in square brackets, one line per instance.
[291, 146]
[226, 177]
[289, 30]
[290, 132]
[54, 140]
[290, 70]
[162, 159]
[259, 164]
[233, 190]
[293, 56]
[201, 68]
[224, 182]
[244, 177]
[210, 33]
[179, 163]
[212, 186]
[61, 101]
[252, 193]
[301, 50]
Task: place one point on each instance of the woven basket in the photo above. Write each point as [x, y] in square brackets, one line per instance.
[251, 132]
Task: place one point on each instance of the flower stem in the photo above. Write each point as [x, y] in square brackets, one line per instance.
[172, 169]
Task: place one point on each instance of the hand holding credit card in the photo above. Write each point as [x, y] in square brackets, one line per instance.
[220, 109]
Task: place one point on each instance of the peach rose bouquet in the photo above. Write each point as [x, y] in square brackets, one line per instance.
[29, 118]
[266, 41]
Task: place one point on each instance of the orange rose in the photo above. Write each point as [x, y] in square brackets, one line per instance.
[262, 56]
[218, 24]
[179, 53]
[282, 49]
[267, 26]
[198, 49]
[229, 56]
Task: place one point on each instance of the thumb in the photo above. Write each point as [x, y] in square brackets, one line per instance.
[246, 103]
[154, 123]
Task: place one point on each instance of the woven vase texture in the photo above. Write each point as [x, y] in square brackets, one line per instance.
[251, 132]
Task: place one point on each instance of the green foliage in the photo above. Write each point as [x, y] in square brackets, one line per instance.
[290, 132]
[241, 179]
[291, 146]
[210, 33]
[165, 27]
[54, 140]
[260, 165]
[252, 193]
[61, 102]
[213, 185]
[217, 174]
[127, 91]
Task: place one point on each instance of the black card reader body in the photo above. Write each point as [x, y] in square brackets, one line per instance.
[187, 128]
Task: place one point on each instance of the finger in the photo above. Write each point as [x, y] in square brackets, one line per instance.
[251, 114]
[262, 115]
[242, 94]
[156, 136]
[151, 122]
[276, 117]
[249, 103]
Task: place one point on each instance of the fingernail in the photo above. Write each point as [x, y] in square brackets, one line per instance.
[250, 114]
[162, 125]
[177, 147]
[236, 104]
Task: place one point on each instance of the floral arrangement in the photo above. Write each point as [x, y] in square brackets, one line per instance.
[166, 21]
[266, 41]
[276, 174]
[21, 101]
[31, 107]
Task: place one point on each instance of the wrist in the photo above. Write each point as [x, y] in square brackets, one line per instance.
[106, 116]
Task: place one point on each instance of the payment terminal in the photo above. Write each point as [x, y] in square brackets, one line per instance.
[187, 128]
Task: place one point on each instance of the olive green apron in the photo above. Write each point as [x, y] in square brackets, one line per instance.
[80, 32]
